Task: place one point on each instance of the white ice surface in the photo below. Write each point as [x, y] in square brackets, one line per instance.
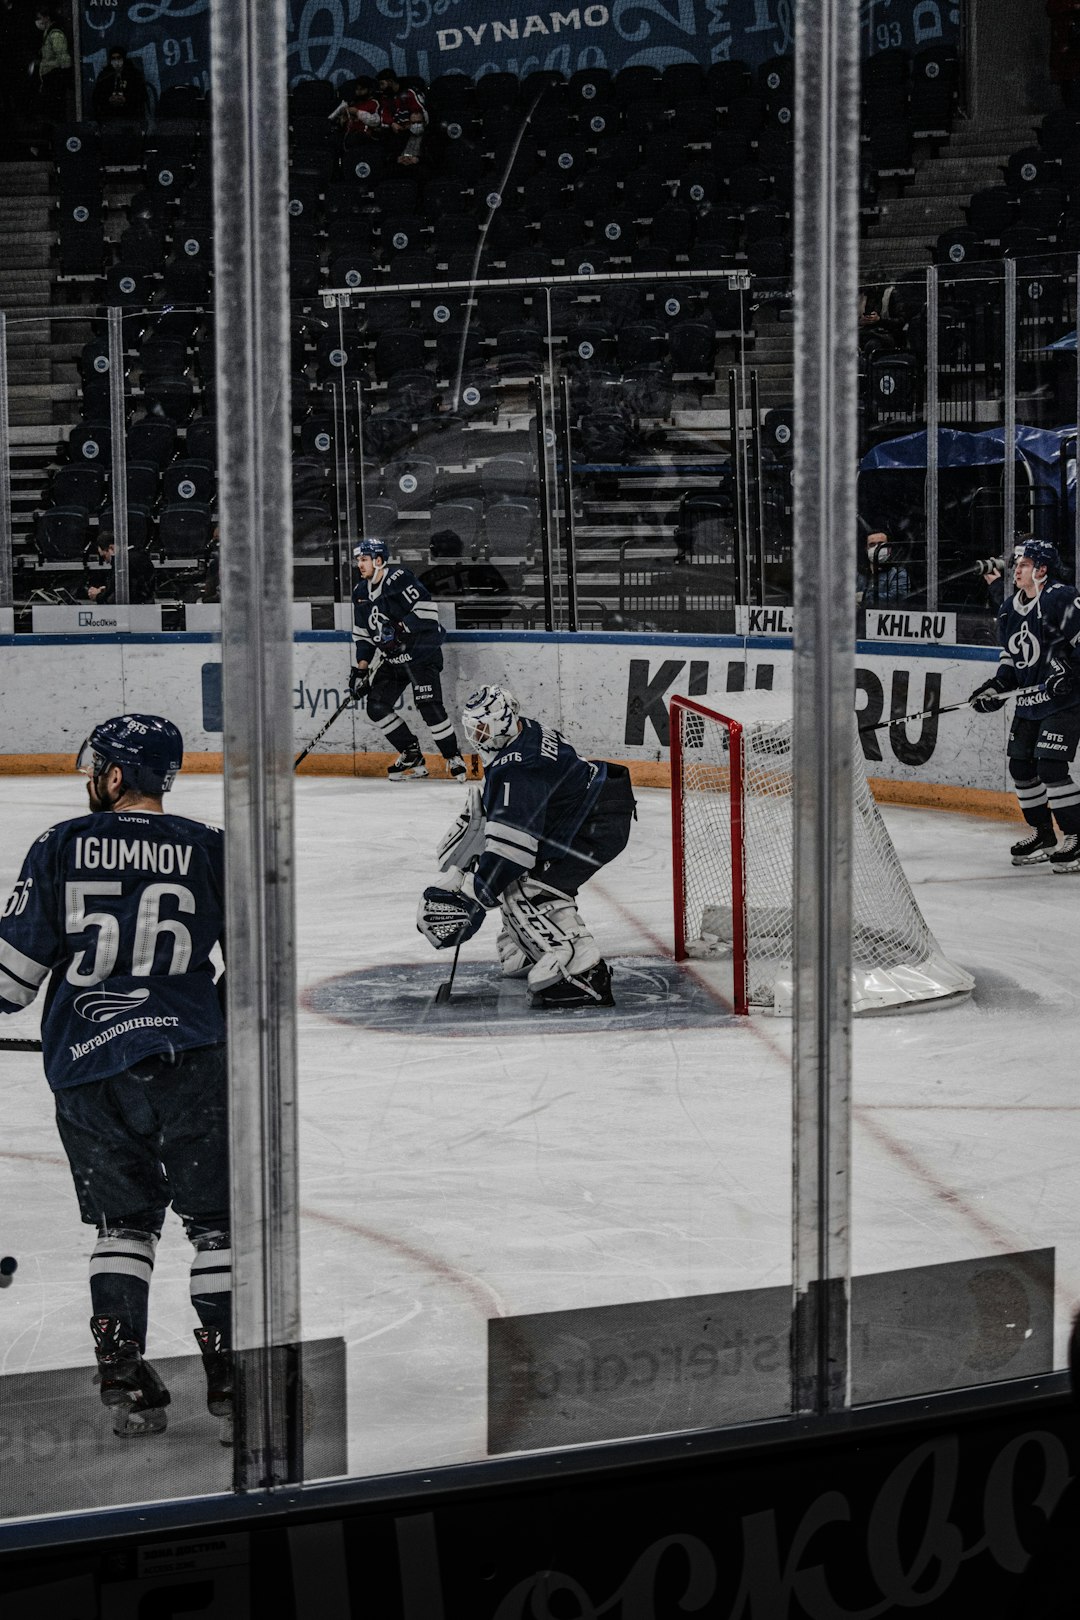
[448, 1180]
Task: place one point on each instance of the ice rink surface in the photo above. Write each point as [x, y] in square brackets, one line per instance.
[490, 1161]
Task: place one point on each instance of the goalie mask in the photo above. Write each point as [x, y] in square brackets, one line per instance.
[490, 720]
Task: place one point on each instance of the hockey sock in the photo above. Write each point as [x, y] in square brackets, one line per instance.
[401, 738]
[211, 1281]
[1030, 793]
[395, 731]
[445, 740]
[1063, 794]
[121, 1267]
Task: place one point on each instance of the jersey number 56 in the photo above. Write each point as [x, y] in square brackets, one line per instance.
[98, 961]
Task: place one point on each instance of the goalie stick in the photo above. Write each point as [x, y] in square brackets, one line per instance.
[442, 994]
[946, 708]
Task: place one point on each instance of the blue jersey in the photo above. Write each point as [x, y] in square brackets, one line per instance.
[120, 911]
[538, 793]
[397, 616]
[1040, 637]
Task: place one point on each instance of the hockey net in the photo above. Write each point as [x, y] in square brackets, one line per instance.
[731, 782]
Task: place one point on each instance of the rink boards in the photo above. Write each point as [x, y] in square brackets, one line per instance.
[609, 693]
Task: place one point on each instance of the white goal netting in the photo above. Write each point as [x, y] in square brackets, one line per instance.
[734, 877]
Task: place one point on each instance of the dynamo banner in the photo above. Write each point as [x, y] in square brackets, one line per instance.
[339, 39]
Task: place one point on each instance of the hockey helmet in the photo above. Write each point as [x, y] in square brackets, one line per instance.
[148, 750]
[490, 719]
[1041, 553]
[377, 550]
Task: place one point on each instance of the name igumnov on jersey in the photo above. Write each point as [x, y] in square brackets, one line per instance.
[117, 854]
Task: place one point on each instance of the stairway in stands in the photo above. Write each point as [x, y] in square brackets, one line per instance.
[907, 227]
[35, 349]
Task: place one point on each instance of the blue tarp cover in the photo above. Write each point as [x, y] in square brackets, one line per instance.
[957, 449]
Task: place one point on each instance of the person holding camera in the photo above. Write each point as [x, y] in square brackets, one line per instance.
[1039, 634]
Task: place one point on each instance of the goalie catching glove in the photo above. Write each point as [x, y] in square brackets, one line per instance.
[448, 917]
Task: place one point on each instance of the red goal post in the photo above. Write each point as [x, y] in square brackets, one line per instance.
[732, 802]
[727, 779]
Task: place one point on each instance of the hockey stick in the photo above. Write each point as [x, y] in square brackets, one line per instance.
[346, 700]
[344, 704]
[442, 994]
[922, 714]
[16, 1043]
[946, 708]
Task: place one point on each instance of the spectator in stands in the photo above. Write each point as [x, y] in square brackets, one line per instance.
[878, 334]
[52, 68]
[141, 575]
[120, 90]
[404, 115]
[882, 577]
[361, 113]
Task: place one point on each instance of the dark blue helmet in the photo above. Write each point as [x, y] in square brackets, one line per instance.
[377, 550]
[148, 750]
[1042, 554]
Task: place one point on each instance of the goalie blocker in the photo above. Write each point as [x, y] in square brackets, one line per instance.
[545, 821]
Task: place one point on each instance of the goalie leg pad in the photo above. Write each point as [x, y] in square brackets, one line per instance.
[548, 928]
[464, 840]
[447, 918]
[515, 962]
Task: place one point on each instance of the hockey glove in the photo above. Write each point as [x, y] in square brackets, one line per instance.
[359, 684]
[447, 919]
[986, 698]
[1060, 684]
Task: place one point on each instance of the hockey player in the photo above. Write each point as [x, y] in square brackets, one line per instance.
[546, 821]
[119, 910]
[1039, 632]
[394, 615]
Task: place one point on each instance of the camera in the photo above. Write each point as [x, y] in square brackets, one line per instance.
[990, 565]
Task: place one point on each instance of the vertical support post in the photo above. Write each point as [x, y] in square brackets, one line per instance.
[1076, 453]
[7, 585]
[568, 511]
[757, 539]
[742, 570]
[933, 411]
[118, 429]
[251, 287]
[77, 63]
[826, 291]
[1008, 384]
[545, 499]
[349, 508]
[361, 470]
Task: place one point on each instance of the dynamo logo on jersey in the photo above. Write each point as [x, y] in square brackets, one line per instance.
[102, 1006]
[1025, 648]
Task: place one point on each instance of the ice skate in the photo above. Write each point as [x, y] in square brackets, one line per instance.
[409, 766]
[591, 989]
[129, 1386]
[457, 768]
[1035, 848]
[218, 1366]
[1066, 857]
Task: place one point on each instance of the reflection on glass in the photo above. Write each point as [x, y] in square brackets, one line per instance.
[117, 915]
